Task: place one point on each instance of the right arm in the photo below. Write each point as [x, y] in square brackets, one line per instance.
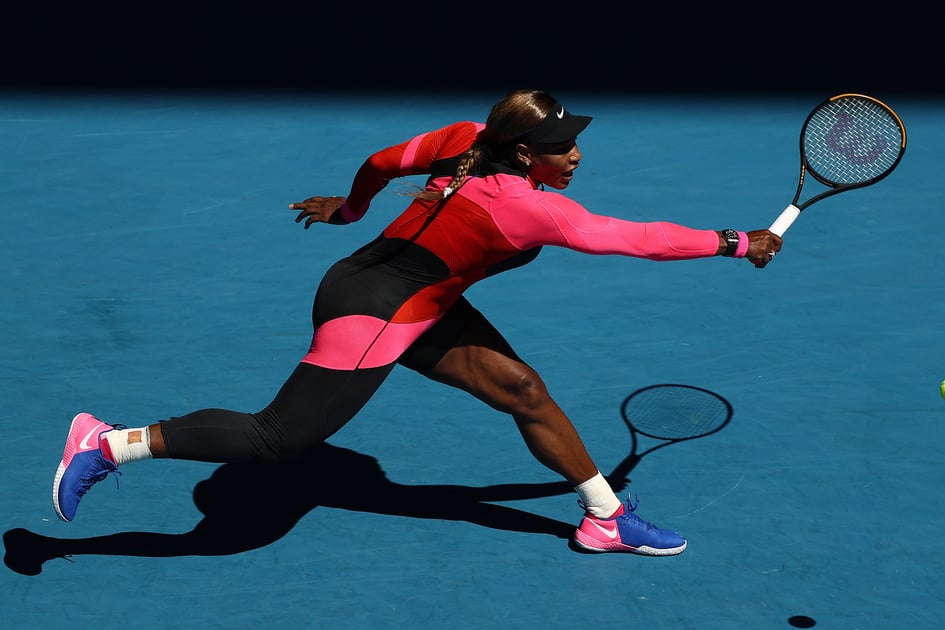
[413, 157]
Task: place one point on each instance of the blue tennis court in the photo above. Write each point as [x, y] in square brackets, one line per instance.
[152, 267]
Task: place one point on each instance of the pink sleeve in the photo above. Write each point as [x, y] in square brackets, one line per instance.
[553, 219]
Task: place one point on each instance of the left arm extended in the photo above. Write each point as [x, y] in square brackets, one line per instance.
[558, 220]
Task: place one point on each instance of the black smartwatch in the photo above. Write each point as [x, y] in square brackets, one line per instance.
[731, 242]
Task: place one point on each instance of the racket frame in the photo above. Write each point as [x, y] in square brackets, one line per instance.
[793, 210]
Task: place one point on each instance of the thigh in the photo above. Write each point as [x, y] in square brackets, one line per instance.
[466, 351]
[315, 402]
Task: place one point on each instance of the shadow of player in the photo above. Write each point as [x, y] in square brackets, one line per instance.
[248, 506]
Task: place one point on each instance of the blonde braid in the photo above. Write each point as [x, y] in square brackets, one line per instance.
[467, 163]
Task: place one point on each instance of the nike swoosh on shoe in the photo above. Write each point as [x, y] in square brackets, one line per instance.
[610, 533]
[84, 444]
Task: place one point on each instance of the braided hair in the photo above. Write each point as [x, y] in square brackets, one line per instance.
[508, 121]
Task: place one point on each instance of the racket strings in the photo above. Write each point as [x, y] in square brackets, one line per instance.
[851, 141]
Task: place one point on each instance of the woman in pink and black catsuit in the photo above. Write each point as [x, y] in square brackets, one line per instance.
[399, 298]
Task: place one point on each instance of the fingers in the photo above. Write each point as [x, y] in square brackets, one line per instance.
[316, 209]
[762, 262]
[764, 246]
[302, 215]
[301, 205]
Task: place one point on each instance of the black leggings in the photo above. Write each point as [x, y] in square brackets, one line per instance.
[312, 405]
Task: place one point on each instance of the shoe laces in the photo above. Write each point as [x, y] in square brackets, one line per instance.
[98, 474]
[628, 515]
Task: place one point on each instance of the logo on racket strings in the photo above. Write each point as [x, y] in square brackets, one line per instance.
[854, 142]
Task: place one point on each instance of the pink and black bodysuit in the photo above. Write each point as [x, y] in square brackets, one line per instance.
[399, 299]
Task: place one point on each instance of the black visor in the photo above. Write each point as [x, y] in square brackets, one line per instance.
[558, 126]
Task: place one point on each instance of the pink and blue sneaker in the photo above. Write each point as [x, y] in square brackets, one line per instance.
[83, 464]
[626, 532]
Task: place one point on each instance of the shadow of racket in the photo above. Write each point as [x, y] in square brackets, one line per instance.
[668, 413]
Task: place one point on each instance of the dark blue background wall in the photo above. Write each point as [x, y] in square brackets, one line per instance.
[740, 46]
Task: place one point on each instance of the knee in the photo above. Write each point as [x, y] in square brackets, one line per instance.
[522, 391]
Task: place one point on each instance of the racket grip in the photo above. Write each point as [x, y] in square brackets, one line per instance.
[784, 221]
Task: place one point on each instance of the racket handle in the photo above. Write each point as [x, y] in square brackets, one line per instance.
[784, 221]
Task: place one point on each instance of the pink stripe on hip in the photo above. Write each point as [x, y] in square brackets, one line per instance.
[361, 341]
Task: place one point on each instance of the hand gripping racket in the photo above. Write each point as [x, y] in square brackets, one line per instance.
[668, 413]
[849, 141]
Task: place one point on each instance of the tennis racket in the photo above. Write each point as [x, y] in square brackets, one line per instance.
[849, 141]
[668, 413]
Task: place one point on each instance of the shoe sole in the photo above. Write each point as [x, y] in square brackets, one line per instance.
[55, 493]
[61, 470]
[622, 548]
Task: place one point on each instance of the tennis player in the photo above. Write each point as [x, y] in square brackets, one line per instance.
[399, 300]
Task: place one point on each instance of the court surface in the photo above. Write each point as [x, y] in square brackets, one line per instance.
[151, 267]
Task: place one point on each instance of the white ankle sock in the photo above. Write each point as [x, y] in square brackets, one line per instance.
[129, 445]
[598, 497]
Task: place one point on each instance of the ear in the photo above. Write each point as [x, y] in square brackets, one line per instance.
[523, 154]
